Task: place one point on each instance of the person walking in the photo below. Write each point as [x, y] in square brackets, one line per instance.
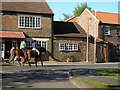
[34, 47]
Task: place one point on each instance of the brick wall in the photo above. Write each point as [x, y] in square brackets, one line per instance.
[80, 55]
[10, 22]
[113, 38]
[88, 23]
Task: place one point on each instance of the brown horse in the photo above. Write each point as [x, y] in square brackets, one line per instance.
[34, 54]
[26, 55]
[17, 54]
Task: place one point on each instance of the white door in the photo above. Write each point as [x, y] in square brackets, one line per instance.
[2, 51]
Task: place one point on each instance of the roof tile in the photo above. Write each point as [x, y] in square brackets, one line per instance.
[109, 18]
[11, 34]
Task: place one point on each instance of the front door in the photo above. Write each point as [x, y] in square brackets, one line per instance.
[8, 46]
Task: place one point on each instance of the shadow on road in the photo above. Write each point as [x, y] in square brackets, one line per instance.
[29, 77]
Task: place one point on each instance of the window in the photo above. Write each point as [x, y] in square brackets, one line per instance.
[107, 30]
[118, 30]
[1, 46]
[68, 46]
[29, 22]
[38, 44]
[14, 44]
[118, 48]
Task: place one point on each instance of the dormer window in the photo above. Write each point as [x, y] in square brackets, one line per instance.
[29, 22]
[107, 30]
[118, 30]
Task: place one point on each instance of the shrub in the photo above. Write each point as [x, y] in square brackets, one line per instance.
[71, 58]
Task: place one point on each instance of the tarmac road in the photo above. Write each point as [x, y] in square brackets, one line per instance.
[36, 78]
[48, 76]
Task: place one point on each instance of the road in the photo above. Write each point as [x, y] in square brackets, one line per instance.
[48, 76]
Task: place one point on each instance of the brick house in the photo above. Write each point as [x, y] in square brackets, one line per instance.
[70, 40]
[29, 20]
[105, 28]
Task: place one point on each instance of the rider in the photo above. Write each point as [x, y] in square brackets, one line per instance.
[34, 47]
[23, 47]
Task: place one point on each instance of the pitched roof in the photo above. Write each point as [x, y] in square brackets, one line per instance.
[29, 7]
[109, 18]
[68, 29]
[72, 19]
[11, 34]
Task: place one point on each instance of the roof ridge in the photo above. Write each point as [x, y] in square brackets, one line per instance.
[103, 12]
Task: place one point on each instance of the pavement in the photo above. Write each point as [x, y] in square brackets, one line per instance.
[56, 73]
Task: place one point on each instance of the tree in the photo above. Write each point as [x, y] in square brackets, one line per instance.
[78, 10]
[66, 16]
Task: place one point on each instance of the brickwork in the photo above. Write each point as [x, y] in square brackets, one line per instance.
[10, 22]
[88, 23]
[80, 55]
[112, 38]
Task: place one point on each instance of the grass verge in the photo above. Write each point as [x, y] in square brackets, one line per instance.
[109, 72]
[95, 84]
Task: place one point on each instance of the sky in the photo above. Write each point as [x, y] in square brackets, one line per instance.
[68, 7]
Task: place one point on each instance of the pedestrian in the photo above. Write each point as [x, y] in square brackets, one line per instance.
[34, 47]
[12, 54]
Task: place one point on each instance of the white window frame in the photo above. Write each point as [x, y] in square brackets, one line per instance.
[29, 16]
[108, 31]
[38, 44]
[68, 46]
[118, 30]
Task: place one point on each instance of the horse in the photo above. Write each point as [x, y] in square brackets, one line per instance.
[17, 53]
[31, 53]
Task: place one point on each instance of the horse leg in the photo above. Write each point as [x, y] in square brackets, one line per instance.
[29, 62]
[29, 58]
[24, 60]
[41, 61]
[36, 62]
[19, 61]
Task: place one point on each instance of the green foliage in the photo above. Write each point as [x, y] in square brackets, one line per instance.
[77, 12]
[71, 58]
[66, 16]
[80, 8]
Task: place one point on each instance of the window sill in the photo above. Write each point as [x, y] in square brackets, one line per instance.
[68, 50]
[28, 28]
[118, 35]
[108, 35]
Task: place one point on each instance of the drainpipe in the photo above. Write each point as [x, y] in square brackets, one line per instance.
[95, 40]
[87, 50]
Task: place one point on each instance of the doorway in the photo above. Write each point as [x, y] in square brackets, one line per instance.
[8, 46]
